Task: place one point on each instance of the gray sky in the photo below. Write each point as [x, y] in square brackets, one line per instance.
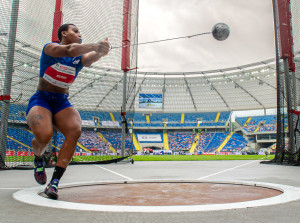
[251, 38]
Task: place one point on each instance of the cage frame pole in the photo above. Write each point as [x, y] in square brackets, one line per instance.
[125, 64]
[282, 14]
[289, 108]
[8, 79]
[279, 133]
[57, 20]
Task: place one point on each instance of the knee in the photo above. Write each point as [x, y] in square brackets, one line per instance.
[43, 138]
[75, 133]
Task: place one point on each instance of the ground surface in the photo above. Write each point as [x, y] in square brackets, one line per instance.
[241, 170]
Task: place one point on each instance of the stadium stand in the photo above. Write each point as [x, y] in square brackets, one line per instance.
[21, 135]
[157, 119]
[89, 115]
[208, 142]
[204, 140]
[92, 142]
[114, 138]
[180, 141]
[89, 140]
[265, 123]
[17, 112]
[235, 144]
[215, 142]
[139, 117]
[171, 117]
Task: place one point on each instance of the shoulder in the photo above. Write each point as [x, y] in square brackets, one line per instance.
[46, 48]
[56, 49]
[47, 45]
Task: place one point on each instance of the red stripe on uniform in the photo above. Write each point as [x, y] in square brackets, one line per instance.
[59, 76]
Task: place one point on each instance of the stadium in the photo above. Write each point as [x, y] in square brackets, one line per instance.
[242, 114]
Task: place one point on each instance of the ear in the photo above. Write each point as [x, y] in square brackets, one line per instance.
[64, 33]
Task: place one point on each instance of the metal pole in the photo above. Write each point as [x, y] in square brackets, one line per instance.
[289, 105]
[293, 95]
[230, 123]
[295, 117]
[124, 112]
[125, 64]
[57, 20]
[280, 127]
[8, 79]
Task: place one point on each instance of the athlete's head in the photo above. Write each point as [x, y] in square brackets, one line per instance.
[70, 33]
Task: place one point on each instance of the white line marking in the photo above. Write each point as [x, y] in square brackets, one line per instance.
[227, 170]
[128, 178]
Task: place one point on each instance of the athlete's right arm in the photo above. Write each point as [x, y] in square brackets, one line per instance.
[71, 50]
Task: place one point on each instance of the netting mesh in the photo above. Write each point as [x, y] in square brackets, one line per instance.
[288, 88]
[295, 10]
[97, 92]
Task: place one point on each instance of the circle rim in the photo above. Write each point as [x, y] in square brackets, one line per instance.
[31, 196]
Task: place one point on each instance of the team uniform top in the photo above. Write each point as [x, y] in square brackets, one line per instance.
[60, 71]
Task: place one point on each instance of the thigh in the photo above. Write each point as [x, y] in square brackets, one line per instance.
[39, 120]
[68, 121]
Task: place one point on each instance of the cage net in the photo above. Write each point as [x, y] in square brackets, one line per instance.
[288, 88]
[295, 11]
[97, 92]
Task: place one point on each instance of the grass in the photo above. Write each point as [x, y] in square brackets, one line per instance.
[155, 158]
[201, 158]
[19, 158]
[93, 158]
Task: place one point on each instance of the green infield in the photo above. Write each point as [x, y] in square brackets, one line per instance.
[19, 158]
[201, 157]
[93, 158]
[153, 158]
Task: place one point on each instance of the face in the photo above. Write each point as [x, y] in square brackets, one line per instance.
[73, 34]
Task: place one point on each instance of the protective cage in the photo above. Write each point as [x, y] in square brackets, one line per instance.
[25, 27]
[287, 30]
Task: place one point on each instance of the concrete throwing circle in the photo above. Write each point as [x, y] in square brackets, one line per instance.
[162, 196]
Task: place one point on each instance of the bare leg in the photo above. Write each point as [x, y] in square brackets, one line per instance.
[39, 120]
[68, 121]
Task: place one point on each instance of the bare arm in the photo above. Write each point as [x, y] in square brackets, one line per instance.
[91, 57]
[71, 50]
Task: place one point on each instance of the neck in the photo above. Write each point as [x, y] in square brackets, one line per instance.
[64, 42]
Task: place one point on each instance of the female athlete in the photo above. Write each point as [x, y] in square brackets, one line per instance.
[49, 107]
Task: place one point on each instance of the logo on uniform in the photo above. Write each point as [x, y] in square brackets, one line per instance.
[60, 76]
[63, 67]
[76, 61]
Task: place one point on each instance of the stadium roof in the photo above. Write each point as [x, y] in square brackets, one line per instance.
[250, 86]
[245, 87]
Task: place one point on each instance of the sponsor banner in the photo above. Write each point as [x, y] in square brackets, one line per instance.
[9, 153]
[162, 152]
[17, 121]
[149, 138]
[224, 153]
[88, 122]
[24, 153]
[110, 123]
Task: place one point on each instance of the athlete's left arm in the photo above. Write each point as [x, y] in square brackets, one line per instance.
[89, 58]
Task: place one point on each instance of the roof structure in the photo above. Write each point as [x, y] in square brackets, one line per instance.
[100, 87]
[250, 86]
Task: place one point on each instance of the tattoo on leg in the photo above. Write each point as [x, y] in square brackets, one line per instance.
[35, 119]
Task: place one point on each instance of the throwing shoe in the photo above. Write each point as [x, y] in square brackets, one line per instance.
[51, 189]
[39, 172]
